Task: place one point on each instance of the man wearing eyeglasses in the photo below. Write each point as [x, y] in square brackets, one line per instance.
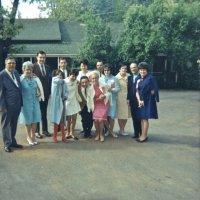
[10, 104]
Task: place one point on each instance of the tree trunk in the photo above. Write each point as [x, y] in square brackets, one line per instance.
[5, 44]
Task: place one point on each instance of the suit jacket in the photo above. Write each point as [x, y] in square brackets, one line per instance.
[131, 90]
[10, 94]
[45, 80]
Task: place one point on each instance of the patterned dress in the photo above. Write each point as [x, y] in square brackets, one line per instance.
[30, 112]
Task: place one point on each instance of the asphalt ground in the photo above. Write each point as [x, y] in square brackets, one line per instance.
[167, 167]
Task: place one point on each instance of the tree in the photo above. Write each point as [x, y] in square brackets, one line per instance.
[97, 42]
[8, 29]
[67, 10]
[162, 27]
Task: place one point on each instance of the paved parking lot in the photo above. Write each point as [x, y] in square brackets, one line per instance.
[167, 167]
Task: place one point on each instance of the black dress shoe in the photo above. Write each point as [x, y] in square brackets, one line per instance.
[7, 149]
[141, 141]
[46, 133]
[18, 146]
[135, 137]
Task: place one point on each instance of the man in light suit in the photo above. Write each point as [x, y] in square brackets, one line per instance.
[132, 100]
[10, 103]
[43, 72]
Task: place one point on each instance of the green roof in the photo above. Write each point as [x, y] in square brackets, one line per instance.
[55, 37]
[38, 29]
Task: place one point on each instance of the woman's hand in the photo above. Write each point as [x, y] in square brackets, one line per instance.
[141, 104]
[101, 97]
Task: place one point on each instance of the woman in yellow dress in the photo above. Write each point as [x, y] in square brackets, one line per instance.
[123, 110]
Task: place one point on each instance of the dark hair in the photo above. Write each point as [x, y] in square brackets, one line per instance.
[84, 77]
[57, 72]
[121, 64]
[106, 66]
[9, 58]
[41, 52]
[143, 65]
[84, 61]
[62, 58]
[73, 72]
[99, 61]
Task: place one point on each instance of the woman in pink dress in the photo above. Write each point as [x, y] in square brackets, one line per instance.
[101, 105]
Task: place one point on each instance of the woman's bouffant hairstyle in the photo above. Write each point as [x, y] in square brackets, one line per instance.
[143, 65]
[73, 72]
[57, 72]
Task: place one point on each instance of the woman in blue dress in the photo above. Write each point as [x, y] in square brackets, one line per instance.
[147, 96]
[30, 112]
[58, 98]
[112, 84]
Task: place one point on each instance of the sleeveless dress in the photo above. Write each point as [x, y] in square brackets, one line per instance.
[100, 108]
[30, 112]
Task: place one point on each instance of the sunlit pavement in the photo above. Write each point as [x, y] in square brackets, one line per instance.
[167, 167]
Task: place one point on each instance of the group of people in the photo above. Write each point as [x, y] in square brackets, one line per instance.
[98, 96]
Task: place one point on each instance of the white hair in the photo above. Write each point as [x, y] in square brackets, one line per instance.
[27, 65]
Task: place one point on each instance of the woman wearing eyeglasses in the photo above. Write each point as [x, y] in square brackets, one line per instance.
[112, 85]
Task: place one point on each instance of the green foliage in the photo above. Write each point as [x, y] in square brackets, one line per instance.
[97, 42]
[166, 27]
[67, 10]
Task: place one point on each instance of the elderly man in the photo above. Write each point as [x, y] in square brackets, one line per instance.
[132, 100]
[10, 103]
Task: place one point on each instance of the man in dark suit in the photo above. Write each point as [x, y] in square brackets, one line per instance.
[10, 103]
[63, 67]
[43, 72]
[132, 100]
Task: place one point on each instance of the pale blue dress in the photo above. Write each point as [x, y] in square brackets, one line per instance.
[108, 81]
[30, 112]
[58, 94]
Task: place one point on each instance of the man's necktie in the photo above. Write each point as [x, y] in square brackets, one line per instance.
[43, 72]
[85, 92]
[12, 75]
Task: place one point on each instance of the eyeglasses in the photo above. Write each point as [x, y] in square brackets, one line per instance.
[106, 70]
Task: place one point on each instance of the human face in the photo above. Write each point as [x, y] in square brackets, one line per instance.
[83, 67]
[72, 77]
[84, 83]
[41, 58]
[123, 70]
[94, 79]
[134, 68]
[60, 75]
[27, 72]
[100, 66]
[10, 65]
[63, 64]
[107, 72]
[143, 72]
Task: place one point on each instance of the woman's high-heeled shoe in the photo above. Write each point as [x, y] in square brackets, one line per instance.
[101, 138]
[141, 141]
[96, 138]
[30, 142]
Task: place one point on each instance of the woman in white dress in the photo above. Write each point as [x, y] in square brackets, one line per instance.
[84, 71]
[72, 103]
